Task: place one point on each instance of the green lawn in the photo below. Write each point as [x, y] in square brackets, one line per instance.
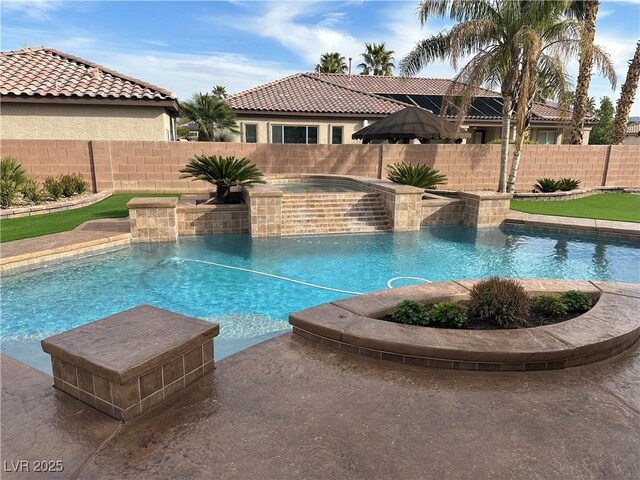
[114, 206]
[624, 207]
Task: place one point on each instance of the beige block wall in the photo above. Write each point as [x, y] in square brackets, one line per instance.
[324, 127]
[83, 122]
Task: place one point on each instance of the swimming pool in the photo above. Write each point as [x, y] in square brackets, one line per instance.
[316, 186]
[222, 278]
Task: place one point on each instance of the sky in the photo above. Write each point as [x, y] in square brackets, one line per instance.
[189, 47]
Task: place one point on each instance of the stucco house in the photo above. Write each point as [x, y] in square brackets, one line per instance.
[47, 94]
[329, 108]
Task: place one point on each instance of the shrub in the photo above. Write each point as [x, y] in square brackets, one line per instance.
[449, 314]
[31, 191]
[577, 301]
[421, 176]
[53, 187]
[567, 184]
[411, 312]
[12, 177]
[547, 185]
[72, 184]
[223, 172]
[503, 302]
[550, 306]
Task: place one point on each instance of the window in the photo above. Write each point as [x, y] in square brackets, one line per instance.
[547, 137]
[294, 134]
[336, 135]
[251, 133]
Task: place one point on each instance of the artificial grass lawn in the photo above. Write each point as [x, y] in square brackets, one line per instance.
[114, 206]
[623, 207]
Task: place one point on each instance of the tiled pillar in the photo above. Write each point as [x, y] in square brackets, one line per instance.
[265, 210]
[485, 209]
[403, 204]
[153, 219]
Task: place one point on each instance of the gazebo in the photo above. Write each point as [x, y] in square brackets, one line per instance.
[408, 124]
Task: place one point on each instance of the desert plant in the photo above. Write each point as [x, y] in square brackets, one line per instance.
[500, 301]
[31, 191]
[577, 301]
[567, 184]
[411, 312]
[421, 176]
[547, 185]
[53, 187]
[223, 172]
[550, 306]
[12, 177]
[449, 314]
[72, 184]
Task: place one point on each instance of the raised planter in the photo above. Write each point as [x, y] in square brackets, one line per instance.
[54, 207]
[610, 327]
[570, 195]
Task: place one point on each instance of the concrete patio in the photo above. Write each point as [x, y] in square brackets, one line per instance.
[288, 408]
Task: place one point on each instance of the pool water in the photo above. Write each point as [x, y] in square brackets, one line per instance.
[249, 285]
[315, 187]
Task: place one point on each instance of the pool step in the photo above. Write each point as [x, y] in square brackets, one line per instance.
[317, 214]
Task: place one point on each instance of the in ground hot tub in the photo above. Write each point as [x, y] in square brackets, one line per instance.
[316, 185]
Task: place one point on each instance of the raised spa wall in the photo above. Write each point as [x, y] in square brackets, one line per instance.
[407, 208]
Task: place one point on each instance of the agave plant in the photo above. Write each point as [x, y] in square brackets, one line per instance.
[223, 172]
[422, 176]
[547, 185]
[12, 177]
[567, 184]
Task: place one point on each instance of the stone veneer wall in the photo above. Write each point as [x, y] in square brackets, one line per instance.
[153, 219]
[485, 209]
[404, 209]
[136, 166]
[265, 210]
[442, 211]
[212, 219]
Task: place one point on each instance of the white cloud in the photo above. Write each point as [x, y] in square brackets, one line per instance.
[155, 43]
[33, 9]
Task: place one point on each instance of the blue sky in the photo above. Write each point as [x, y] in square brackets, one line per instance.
[191, 46]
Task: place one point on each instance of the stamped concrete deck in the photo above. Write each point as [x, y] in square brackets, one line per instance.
[290, 409]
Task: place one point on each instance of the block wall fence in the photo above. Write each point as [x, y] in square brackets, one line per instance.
[137, 166]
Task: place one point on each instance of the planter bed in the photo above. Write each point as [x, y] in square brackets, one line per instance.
[610, 327]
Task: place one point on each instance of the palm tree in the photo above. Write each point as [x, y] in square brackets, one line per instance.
[219, 92]
[210, 113]
[584, 70]
[627, 95]
[518, 46]
[377, 60]
[331, 62]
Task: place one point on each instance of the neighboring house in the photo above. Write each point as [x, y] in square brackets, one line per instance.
[48, 94]
[632, 135]
[329, 108]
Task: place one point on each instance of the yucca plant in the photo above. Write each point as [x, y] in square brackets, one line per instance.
[421, 176]
[547, 185]
[12, 177]
[567, 184]
[223, 172]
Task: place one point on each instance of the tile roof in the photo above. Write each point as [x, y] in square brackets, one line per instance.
[396, 85]
[360, 94]
[304, 93]
[46, 72]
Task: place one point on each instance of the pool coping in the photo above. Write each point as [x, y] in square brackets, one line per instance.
[609, 328]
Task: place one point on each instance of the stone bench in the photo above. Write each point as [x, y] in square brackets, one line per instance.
[128, 363]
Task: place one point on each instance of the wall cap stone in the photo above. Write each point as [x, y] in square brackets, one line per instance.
[152, 202]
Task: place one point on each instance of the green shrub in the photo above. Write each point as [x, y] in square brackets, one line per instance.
[72, 184]
[411, 312]
[567, 184]
[550, 306]
[12, 177]
[449, 314]
[32, 192]
[577, 301]
[547, 185]
[53, 187]
[500, 301]
[421, 176]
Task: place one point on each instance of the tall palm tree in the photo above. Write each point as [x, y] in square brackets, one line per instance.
[517, 46]
[331, 62]
[579, 111]
[377, 60]
[219, 92]
[627, 95]
[212, 115]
